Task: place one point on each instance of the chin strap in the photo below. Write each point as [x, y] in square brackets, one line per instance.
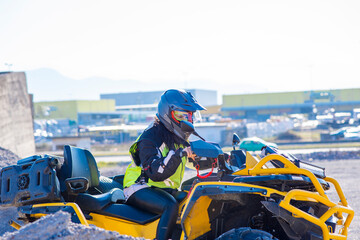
[207, 175]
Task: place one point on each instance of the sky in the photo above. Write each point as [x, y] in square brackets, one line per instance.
[230, 46]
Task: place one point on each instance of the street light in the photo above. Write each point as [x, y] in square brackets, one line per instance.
[9, 65]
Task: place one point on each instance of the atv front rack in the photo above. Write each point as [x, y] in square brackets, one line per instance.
[336, 209]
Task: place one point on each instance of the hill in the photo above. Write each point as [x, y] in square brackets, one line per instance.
[49, 85]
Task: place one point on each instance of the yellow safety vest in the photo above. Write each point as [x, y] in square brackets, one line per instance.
[133, 171]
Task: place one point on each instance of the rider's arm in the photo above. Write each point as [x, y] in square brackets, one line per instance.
[157, 167]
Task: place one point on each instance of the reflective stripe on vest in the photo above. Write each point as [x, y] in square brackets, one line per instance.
[133, 172]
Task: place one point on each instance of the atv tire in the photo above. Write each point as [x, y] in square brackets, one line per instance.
[245, 233]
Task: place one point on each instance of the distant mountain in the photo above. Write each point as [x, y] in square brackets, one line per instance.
[49, 85]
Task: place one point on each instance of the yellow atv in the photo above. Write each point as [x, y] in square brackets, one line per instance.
[248, 197]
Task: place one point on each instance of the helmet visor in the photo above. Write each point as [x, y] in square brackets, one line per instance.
[197, 117]
[183, 116]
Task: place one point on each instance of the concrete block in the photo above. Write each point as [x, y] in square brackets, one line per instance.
[16, 122]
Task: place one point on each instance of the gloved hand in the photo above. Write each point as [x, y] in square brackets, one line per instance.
[189, 152]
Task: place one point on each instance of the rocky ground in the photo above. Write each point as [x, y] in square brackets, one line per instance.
[59, 226]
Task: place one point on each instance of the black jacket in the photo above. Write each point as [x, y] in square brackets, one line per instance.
[149, 148]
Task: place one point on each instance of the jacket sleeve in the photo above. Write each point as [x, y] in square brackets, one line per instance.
[157, 167]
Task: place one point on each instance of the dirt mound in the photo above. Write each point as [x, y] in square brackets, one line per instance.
[59, 226]
[7, 157]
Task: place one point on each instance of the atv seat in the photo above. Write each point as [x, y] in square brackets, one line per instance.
[90, 202]
[108, 204]
[128, 213]
[80, 164]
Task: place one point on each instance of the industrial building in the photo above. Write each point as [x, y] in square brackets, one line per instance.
[118, 118]
[139, 107]
[261, 106]
[70, 109]
[128, 107]
[61, 118]
[104, 119]
[206, 97]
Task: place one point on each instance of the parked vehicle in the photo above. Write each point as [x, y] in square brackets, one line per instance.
[275, 197]
[338, 134]
[352, 136]
[255, 144]
[346, 133]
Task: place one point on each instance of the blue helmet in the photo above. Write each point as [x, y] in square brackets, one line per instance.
[175, 101]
